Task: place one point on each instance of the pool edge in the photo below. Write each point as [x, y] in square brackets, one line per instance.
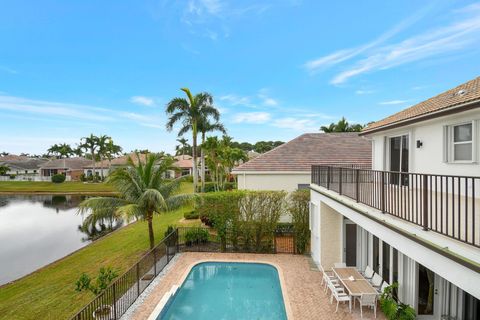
[281, 278]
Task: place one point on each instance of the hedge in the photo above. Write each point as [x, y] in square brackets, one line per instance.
[58, 178]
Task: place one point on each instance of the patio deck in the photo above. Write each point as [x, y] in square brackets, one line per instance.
[302, 282]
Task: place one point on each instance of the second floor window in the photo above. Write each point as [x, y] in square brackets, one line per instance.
[461, 142]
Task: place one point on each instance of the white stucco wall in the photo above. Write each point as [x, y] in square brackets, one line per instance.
[429, 158]
[272, 181]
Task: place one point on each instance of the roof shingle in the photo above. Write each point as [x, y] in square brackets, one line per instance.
[301, 153]
[464, 93]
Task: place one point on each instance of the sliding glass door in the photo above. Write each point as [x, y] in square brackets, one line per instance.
[399, 152]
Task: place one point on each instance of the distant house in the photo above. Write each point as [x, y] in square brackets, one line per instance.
[72, 168]
[185, 165]
[23, 168]
[106, 165]
[288, 167]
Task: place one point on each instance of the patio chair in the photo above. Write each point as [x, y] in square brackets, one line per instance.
[335, 289]
[368, 300]
[325, 275]
[339, 265]
[368, 273]
[341, 297]
[382, 288]
[376, 281]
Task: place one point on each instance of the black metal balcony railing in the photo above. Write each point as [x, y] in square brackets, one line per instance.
[448, 205]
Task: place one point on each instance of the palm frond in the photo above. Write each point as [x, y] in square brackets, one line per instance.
[130, 211]
[152, 200]
[100, 206]
[177, 201]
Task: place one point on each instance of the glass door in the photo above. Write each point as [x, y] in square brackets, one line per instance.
[399, 153]
[427, 295]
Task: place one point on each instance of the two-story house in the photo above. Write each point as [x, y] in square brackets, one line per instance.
[415, 217]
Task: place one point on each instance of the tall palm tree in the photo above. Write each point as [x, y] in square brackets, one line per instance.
[205, 126]
[102, 143]
[90, 144]
[112, 150]
[189, 112]
[143, 193]
[61, 150]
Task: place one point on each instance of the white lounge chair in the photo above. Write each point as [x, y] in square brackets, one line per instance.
[341, 296]
[368, 300]
[339, 265]
[376, 281]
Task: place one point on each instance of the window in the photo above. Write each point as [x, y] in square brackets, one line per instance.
[302, 186]
[461, 143]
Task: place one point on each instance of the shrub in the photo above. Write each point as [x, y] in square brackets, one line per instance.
[83, 177]
[58, 178]
[103, 280]
[173, 239]
[12, 176]
[210, 186]
[298, 208]
[190, 215]
[196, 236]
[246, 219]
[392, 309]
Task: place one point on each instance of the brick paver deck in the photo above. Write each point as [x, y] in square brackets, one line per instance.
[304, 294]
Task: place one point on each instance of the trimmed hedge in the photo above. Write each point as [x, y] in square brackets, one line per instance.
[191, 215]
[58, 178]
[298, 207]
[210, 186]
[196, 236]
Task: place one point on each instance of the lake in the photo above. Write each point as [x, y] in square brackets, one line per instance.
[36, 230]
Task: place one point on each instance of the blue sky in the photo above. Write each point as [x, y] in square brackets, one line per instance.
[276, 68]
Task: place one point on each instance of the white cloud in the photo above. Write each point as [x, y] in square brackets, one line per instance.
[362, 92]
[461, 34]
[297, 124]
[142, 100]
[393, 102]
[347, 54]
[236, 100]
[266, 99]
[252, 117]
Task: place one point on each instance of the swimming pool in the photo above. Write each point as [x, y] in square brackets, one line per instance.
[227, 290]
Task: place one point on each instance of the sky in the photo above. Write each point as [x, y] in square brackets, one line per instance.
[276, 68]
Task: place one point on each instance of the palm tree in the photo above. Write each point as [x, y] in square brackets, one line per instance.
[111, 151]
[90, 144]
[143, 193]
[342, 126]
[102, 143]
[60, 150]
[205, 126]
[189, 112]
[183, 148]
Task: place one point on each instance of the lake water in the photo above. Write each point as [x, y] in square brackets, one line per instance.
[37, 230]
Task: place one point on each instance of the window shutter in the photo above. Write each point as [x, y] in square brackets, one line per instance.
[446, 144]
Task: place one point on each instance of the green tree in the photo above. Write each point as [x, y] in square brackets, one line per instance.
[61, 151]
[183, 148]
[206, 126]
[111, 151]
[189, 112]
[102, 144]
[143, 192]
[90, 145]
[3, 170]
[342, 126]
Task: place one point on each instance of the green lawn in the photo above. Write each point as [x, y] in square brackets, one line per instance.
[50, 187]
[50, 292]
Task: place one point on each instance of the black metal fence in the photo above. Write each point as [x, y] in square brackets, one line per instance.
[114, 301]
[246, 240]
[444, 204]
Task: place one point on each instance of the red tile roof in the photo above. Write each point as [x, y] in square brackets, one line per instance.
[308, 149]
[468, 92]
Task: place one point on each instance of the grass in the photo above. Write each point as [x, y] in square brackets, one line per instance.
[49, 293]
[50, 187]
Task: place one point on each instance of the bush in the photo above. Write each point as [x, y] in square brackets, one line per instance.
[245, 219]
[196, 236]
[392, 309]
[12, 176]
[173, 239]
[83, 177]
[58, 178]
[210, 186]
[104, 278]
[298, 208]
[191, 215]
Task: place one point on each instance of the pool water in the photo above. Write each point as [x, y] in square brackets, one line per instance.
[225, 290]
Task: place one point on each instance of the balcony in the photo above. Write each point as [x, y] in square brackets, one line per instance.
[449, 205]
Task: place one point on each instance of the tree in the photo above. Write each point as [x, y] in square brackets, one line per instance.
[183, 148]
[111, 151]
[90, 145]
[143, 192]
[61, 151]
[102, 143]
[206, 126]
[342, 126]
[189, 112]
[3, 170]
[4, 154]
[221, 158]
